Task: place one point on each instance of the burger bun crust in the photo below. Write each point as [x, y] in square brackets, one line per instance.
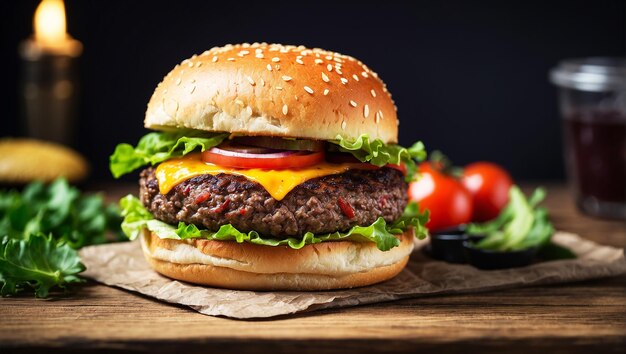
[274, 90]
[246, 266]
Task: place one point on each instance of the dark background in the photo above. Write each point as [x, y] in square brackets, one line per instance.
[469, 77]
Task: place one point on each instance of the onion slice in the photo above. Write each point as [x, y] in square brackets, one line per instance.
[273, 160]
[252, 155]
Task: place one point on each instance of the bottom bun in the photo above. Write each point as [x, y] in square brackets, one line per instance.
[246, 266]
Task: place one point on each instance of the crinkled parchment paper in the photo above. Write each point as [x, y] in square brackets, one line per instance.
[122, 265]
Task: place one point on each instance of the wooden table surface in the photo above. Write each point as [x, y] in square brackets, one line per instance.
[577, 317]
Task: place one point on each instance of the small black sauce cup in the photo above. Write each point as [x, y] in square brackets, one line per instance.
[490, 260]
[447, 244]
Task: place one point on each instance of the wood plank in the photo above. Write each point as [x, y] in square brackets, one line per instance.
[565, 318]
[113, 317]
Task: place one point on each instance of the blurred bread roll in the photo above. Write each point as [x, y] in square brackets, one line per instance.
[26, 160]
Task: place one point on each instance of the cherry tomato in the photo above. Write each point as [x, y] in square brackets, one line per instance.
[489, 185]
[270, 161]
[450, 204]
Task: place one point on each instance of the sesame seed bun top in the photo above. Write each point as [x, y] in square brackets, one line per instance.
[274, 90]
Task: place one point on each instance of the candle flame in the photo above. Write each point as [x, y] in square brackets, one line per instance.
[49, 22]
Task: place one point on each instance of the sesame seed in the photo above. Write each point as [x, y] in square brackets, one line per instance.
[364, 74]
[329, 57]
[239, 102]
[269, 67]
[355, 77]
[277, 67]
[214, 58]
[337, 60]
[338, 70]
[381, 114]
[366, 111]
[258, 50]
[262, 82]
[344, 80]
[325, 77]
[373, 93]
[308, 89]
[377, 117]
[279, 87]
[259, 55]
[250, 80]
[329, 67]
[318, 61]
[198, 64]
[275, 59]
[326, 92]
[190, 64]
[231, 59]
[286, 78]
[285, 109]
[352, 103]
[178, 81]
[343, 125]
[193, 88]
[299, 61]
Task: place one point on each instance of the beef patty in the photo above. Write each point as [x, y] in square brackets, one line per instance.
[320, 205]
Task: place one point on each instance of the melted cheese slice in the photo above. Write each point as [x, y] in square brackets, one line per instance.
[277, 182]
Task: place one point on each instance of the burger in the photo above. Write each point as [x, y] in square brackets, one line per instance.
[272, 167]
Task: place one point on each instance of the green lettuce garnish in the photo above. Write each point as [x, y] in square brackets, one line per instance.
[160, 146]
[379, 154]
[38, 262]
[136, 217]
[520, 225]
[41, 228]
[60, 210]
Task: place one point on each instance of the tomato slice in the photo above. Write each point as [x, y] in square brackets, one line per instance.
[270, 161]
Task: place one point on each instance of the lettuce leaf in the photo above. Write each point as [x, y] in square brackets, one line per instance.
[160, 146]
[136, 217]
[379, 154]
[412, 218]
[38, 262]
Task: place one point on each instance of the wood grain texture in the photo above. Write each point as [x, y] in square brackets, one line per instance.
[567, 318]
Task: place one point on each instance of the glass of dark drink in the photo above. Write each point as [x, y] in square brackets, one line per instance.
[592, 95]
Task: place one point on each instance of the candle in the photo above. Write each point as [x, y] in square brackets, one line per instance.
[49, 80]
